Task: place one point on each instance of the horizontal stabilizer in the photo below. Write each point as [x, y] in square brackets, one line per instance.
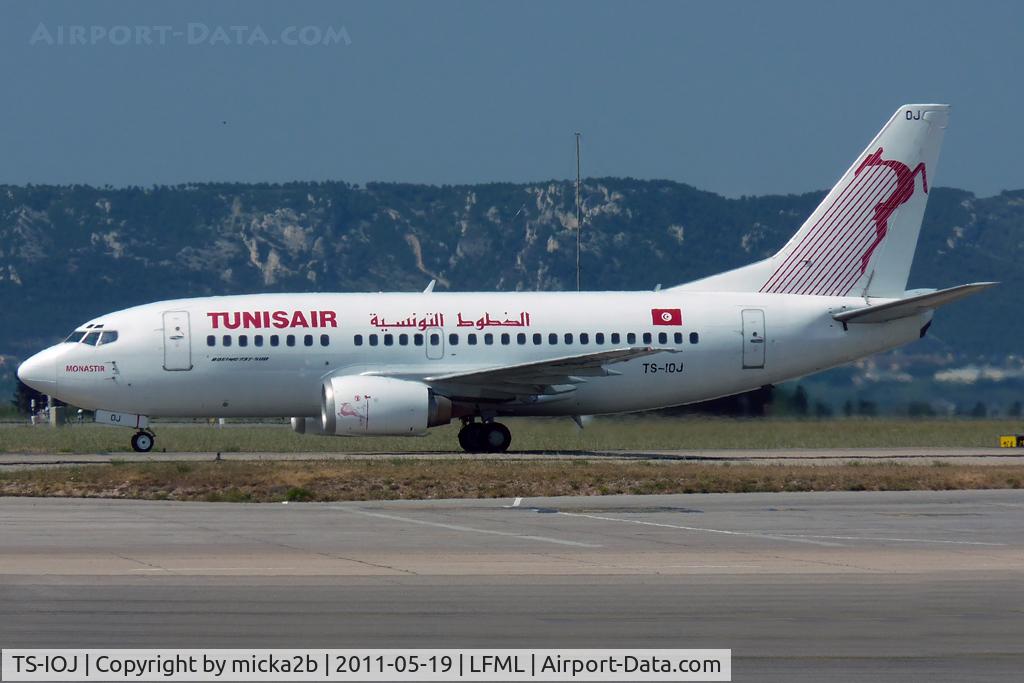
[903, 308]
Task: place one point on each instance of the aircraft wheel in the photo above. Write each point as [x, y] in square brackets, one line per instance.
[470, 437]
[142, 442]
[495, 437]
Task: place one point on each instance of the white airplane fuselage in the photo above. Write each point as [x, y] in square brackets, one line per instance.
[726, 343]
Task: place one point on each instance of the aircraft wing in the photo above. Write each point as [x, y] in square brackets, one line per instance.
[547, 377]
[912, 305]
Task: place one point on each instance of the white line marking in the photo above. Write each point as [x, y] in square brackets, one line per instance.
[213, 569]
[517, 502]
[696, 528]
[886, 538]
[798, 538]
[459, 527]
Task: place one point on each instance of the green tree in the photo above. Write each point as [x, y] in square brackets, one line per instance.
[867, 408]
[23, 395]
[800, 401]
[979, 410]
[920, 409]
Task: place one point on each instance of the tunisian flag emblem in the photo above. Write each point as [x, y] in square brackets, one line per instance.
[666, 316]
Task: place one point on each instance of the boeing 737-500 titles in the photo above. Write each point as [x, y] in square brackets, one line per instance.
[401, 363]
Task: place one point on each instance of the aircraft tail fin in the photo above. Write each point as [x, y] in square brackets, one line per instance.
[861, 239]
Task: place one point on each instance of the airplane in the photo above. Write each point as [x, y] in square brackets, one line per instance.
[401, 363]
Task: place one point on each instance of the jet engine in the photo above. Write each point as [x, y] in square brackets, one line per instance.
[369, 405]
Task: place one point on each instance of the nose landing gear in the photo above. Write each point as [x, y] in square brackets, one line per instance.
[484, 437]
[142, 441]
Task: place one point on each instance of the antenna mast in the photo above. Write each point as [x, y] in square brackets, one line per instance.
[579, 220]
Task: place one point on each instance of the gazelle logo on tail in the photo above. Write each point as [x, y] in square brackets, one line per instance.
[834, 254]
[904, 191]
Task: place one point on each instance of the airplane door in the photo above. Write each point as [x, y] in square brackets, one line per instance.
[177, 341]
[434, 343]
[753, 338]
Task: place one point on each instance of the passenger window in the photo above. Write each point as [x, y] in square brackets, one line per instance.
[290, 340]
[389, 339]
[662, 338]
[505, 338]
[584, 338]
[435, 339]
[373, 340]
[678, 338]
[403, 340]
[211, 340]
[647, 337]
[91, 338]
[537, 339]
[257, 340]
[488, 339]
[274, 340]
[471, 339]
[357, 340]
[694, 337]
[325, 340]
[521, 338]
[417, 339]
[552, 338]
[568, 337]
[243, 340]
[599, 338]
[108, 337]
[631, 338]
[75, 337]
[453, 339]
[308, 340]
[226, 340]
[616, 338]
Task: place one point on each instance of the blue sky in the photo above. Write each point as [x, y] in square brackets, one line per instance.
[732, 97]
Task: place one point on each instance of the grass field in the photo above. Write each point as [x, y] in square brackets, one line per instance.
[398, 478]
[643, 433]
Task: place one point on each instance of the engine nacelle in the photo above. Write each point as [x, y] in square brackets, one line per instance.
[357, 405]
[307, 425]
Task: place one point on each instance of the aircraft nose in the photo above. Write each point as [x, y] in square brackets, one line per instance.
[40, 372]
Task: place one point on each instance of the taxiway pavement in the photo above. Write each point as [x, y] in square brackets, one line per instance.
[802, 586]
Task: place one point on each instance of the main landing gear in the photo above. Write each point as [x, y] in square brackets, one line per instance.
[484, 437]
[142, 441]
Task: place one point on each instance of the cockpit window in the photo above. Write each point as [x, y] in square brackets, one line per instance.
[107, 337]
[75, 337]
[91, 338]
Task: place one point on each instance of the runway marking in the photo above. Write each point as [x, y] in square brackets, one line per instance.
[517, 502]
[460, 527]
[798, 538]
[886, 538]
[793, 539]
[214, 569]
